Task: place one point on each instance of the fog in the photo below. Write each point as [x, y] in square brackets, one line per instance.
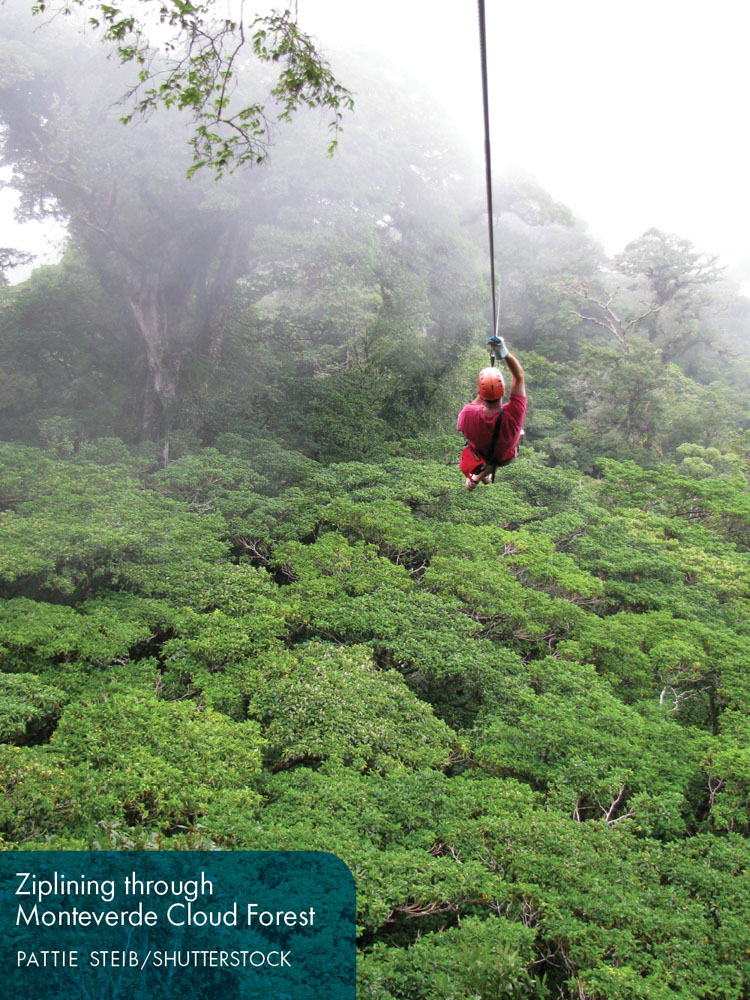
[633, 114]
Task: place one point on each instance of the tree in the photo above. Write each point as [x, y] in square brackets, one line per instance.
[10, 258]
[493, 709]
[669, 263]
[167, 251]
[677, 279]
[65, 354]
[537, 245]
[196, 64]
[374, 277]
[603, 311]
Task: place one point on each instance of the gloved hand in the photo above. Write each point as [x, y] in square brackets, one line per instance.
[497, 346]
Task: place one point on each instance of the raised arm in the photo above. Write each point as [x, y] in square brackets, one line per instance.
[518, 384]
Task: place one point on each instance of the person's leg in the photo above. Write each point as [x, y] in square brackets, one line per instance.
[476, 477]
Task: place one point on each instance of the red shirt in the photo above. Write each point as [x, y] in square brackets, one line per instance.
[477, 424]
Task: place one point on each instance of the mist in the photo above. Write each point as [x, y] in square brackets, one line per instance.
[629, 114]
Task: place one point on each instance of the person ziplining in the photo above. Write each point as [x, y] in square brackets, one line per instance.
[492, 431]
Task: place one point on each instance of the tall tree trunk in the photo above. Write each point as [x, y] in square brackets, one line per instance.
[218, 292]
[145, 300]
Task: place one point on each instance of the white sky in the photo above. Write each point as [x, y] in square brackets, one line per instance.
[43, 239]
[633, 113]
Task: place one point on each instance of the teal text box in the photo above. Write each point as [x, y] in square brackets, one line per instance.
[177, 925]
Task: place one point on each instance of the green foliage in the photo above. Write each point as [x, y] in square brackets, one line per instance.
[563, 729]
[481, 958]
[333, 705]
[114, 534]
[728, 767]
[39, 798]
[201, 74]
[517, 716]
[153, 762]
[211, 655]
[40, 636]
[356, 430]
[29, 709]
[66, 360]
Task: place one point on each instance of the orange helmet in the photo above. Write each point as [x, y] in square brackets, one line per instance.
[491, 384]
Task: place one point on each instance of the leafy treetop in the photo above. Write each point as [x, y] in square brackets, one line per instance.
[197, 64]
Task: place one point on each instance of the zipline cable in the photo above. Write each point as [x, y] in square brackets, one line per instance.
[488, 168]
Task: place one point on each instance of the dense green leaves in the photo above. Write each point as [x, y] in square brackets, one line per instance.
[29, 709]
[519, 718]
[334, 705]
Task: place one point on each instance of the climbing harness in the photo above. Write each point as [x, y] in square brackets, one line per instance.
[470, 453]
[473, 461]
